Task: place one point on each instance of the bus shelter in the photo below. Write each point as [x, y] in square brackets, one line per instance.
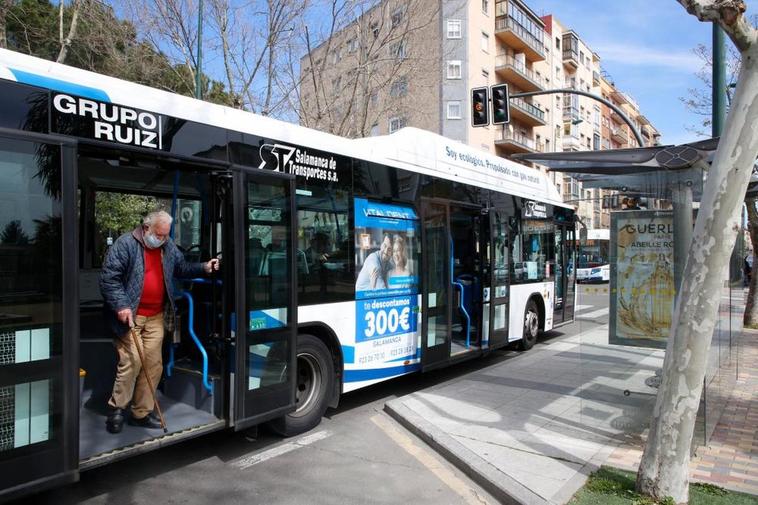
[647, 255]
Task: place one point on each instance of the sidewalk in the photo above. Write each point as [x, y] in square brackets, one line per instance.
[530, 429]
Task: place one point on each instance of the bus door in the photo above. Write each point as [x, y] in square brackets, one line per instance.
[266, 312]
[39, 379]
[451, 301]
[565, 273]
[437, 293]
[497, 293]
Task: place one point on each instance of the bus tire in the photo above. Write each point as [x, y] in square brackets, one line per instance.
[314, 379]
[531, 326]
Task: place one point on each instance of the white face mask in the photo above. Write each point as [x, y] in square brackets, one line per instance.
[153, 242]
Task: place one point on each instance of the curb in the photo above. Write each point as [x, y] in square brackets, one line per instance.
[503, 487]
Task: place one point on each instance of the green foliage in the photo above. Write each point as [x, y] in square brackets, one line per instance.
[709, 488]
[117, 213]
[104, 44]
[609, 486]
[14, 234]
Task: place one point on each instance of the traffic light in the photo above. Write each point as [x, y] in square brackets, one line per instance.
[500, 112]
[479, 107]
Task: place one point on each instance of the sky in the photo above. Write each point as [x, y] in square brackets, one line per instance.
[647, 48]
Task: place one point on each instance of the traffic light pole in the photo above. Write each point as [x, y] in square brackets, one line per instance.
[600, 99]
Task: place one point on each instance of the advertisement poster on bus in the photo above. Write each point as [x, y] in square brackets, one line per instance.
[642, 278]
[386, 284]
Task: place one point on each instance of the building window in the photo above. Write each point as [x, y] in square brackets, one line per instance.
[397, 17]
[374, 98]
[399, 88]
[596, 142]
[398, 50]
[486, 75]
[485, 6]
[352, 45]
[375, 28]
[453, 28]
[485, 42]
[454, 69]
[557, 42]
[374, 130]
[454, 109]
[396, 123]
[336, 84]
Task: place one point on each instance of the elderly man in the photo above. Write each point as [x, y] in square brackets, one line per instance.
[136, 286]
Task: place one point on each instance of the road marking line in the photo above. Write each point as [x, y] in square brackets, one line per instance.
[254, 459]
[425, 458]
[594, 314]
[582, 307]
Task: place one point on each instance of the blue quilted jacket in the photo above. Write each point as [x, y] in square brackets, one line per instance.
[123, 276]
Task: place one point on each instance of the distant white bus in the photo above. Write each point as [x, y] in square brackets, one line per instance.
[593, 263]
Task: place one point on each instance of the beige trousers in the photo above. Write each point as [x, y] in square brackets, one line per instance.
[149, 330]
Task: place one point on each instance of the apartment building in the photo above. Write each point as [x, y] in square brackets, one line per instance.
[414, 62]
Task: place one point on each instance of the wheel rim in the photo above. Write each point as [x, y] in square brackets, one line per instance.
[531, 324]
[309, 378]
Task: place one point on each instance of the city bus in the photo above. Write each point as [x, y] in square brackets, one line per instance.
[593, 258]
[343, 262]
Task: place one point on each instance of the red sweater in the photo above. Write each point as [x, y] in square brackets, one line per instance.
[153, 289]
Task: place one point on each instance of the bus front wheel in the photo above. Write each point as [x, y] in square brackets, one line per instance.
[314, 380]
[531, 326]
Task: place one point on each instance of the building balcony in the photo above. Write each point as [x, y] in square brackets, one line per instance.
[571, 143]
[519, 38]
[571, 114]
[571, 50]
[616, 118]
[619, 135]
[595, 78]
[514, 142]
[513, 71]
[571, 59]
[526, 113]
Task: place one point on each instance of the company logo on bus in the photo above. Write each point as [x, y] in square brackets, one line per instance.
[107, 121]
[298, 161]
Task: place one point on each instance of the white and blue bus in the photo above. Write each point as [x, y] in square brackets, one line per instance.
[593, 256]
[344, 262]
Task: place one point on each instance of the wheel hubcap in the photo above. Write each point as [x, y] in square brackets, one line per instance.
[532, 323]
[308, 383]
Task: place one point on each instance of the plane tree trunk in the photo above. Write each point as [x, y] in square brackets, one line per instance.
[664, 469]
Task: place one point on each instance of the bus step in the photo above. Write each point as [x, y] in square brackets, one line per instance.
[186, 385]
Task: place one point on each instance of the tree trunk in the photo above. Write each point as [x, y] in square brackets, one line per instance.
[664, 469]
[751, 308]
[5, 6]
[66, 43]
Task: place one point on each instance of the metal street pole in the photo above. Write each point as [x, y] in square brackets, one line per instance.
[199, 69]
[718, 91]
[600, 99]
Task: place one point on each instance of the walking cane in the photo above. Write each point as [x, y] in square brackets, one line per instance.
[135, 339]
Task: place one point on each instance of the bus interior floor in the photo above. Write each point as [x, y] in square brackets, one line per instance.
[95, 440]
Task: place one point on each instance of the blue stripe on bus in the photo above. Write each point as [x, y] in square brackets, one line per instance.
[379, 373]
[58, 85]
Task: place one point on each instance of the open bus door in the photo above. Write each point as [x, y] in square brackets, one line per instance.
[39, 379]
[266, 286]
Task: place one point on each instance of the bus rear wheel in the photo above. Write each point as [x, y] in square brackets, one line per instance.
[531, 326]
[314, 381]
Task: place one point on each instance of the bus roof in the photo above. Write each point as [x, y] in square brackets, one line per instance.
[410, 148]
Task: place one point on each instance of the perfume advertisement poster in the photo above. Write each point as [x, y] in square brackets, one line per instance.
[642, 278]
